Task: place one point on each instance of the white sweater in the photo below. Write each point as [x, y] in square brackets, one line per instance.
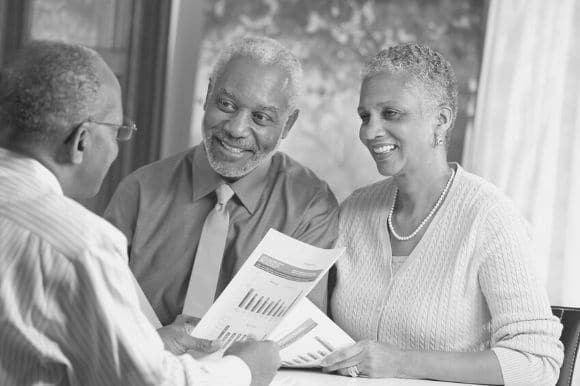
[467, 286]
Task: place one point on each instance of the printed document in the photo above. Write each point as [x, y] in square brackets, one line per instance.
[278, 274]
[307, 335]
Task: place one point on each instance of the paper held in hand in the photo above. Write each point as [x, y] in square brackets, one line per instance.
[273, 281]
[307, 335]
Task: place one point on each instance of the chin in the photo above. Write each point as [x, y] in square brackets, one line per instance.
[93, 189]
[88, 193]
[235, 170]
[230, 171]
[387, 171]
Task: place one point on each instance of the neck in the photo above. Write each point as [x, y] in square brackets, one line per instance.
[48, 160]
[418, 190]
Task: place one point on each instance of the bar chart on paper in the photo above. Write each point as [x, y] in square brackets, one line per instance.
[260, 301]
[227, 336]
[254, 302]
[318, 349]
[272, 281]
[307, 335]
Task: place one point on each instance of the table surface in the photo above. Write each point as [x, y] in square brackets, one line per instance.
[291, 377]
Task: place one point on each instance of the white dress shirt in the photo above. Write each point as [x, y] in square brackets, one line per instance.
[69, 312]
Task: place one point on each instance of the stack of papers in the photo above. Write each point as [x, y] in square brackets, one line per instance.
[266, 300]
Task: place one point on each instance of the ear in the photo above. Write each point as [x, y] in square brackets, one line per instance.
[290, 122]
[78, 143]
[444, 117]
[208, 93]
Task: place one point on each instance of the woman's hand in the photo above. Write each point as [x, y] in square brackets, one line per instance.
[373, 359]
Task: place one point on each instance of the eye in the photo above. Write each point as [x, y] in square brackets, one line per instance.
[391, 114]
[226, 105]
[364, 116]
[261, 118]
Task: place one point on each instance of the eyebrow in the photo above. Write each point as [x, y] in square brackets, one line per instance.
[223, 91]
[382, 105]
[272, 109]
[389, 104]
[229, 94]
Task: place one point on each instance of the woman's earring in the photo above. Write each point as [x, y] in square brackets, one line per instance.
[438, 140]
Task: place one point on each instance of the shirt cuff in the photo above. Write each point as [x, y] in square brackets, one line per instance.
[222, 371]
[234, 369]
[516, 368]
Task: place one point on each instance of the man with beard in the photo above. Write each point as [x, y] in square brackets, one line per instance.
[236, 175]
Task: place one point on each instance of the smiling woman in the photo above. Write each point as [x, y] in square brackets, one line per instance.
[449, 292]
[397, 122]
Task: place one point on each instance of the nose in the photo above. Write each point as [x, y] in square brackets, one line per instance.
[239, 124]
[372, 129]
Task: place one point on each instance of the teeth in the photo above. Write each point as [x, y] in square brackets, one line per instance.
[384, 149]
[231, 148]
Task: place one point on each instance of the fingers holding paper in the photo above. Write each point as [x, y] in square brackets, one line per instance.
[365, 358]
[177, 339]
[262, 358]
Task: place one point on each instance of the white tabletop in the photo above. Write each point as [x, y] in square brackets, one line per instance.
[288, 377]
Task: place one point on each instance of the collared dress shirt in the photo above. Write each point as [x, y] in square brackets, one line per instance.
[69, 312]
[161, 209]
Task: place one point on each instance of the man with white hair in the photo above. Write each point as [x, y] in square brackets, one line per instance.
[69, 310]
[185, 247]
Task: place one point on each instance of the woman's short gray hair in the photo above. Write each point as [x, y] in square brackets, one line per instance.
[266, 51]
[424, 65]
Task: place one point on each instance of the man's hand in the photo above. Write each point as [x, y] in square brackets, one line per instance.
[263, 359]
[177, 340]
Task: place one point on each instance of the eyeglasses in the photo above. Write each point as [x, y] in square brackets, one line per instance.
[124, 130]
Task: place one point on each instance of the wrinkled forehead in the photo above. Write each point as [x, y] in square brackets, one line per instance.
[248, 79]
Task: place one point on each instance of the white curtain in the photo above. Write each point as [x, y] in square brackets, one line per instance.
[526, 134]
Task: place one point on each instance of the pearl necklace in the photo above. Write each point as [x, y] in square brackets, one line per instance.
[431, 213]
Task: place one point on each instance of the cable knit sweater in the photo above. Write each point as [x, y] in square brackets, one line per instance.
[467, 286]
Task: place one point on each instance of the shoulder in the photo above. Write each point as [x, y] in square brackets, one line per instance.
[68, 227]
[367, 197]
[480, 196]
[484, 208]
[300, 179]
[358, 212]
[159, 172]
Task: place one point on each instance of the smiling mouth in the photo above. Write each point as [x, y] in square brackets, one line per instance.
[230, 148]
[384, 149]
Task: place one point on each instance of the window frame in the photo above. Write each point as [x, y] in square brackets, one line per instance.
[143, 82]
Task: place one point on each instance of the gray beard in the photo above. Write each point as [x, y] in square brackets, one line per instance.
[228, 172]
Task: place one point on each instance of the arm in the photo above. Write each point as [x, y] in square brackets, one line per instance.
[524, 331]
[113, 343]
[319, 227]
[380, 360]
[471, 367]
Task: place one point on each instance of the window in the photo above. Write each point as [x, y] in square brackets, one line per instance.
[115, 29]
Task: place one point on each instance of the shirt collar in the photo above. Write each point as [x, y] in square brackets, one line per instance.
[205, 180]
[248, 188]
[32, 170]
